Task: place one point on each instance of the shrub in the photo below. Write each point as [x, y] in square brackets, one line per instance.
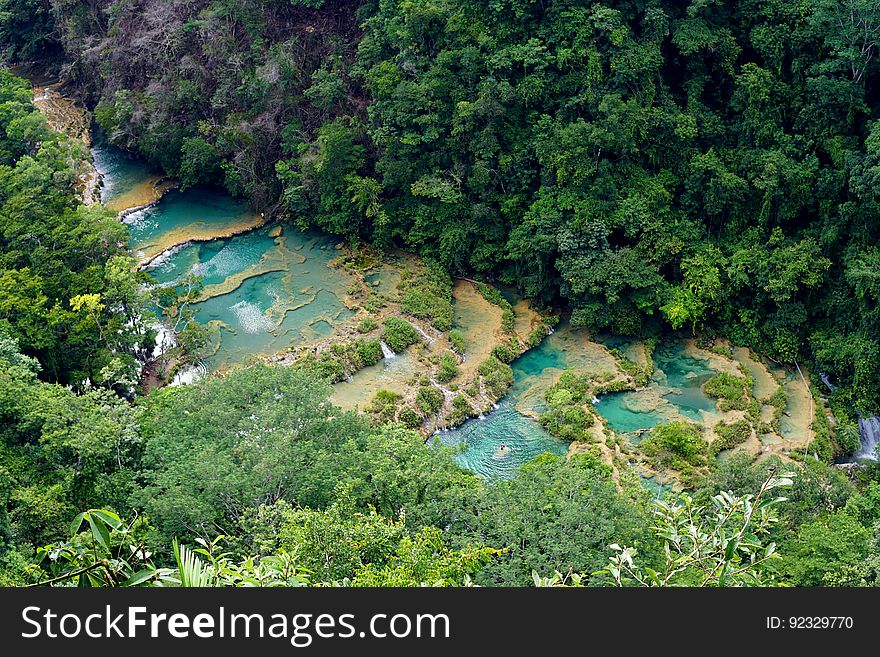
[461, 410]
[373, 305]
[822, 445]
[504, 353]
[507, 320]
[731, 435]
[366, 325]
[676, 443]
[568, 422]
[577, 385]
[384, 405]
[493, 296]
[456, 339]
[428, 296]
[848, 438]
[497, 376]
[731, 391]
[409, 417]
[448, 368]
[399, 334]
[369, 351]
[640, 375]
[777, 401]
[567, 417]
[536, 336]
[327, 368]
[429, 399]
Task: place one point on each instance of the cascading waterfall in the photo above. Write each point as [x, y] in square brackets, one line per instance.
[827, 381]
[386, 350]
[869, 428]
[163, 258]
[165, 339]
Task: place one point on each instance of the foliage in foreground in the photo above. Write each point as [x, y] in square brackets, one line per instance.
[369, 551]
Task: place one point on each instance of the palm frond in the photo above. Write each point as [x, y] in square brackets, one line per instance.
[192, 571]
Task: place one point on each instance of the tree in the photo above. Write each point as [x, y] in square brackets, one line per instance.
[700, 290]
[112, 553]
[199, 162]
[556, 515]
[717, 546]
[27, 29]
[851, 29]
[68, 289]
[828, 551]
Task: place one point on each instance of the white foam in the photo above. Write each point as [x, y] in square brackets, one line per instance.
[164, 258]
[251, 318]
[423, 334]
[224, 263]
[189, 375]
[869, 429]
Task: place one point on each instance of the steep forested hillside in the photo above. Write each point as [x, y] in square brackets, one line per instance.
[67, 290]
[650, 164]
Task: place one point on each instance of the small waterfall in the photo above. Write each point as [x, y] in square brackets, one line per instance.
[827, 381]
[869, 428]
[166, 255]
[386, 350]
[427, 337]
[165, 339]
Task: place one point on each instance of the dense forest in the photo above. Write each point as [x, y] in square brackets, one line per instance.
[643, 165]
[711, 166]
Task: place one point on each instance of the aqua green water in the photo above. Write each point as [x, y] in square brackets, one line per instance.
[265, 293]
[480, 442]
[182, 214]
[676, 386]
[657, 489]
[119, 172]
[679, 378]
[534, 362]
[285, 293]
[629, 347]
[624, 418]
[686, 375]
[270, 311]
[216, 260]
[394, 374]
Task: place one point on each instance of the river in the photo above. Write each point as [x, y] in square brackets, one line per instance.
[269, 288]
